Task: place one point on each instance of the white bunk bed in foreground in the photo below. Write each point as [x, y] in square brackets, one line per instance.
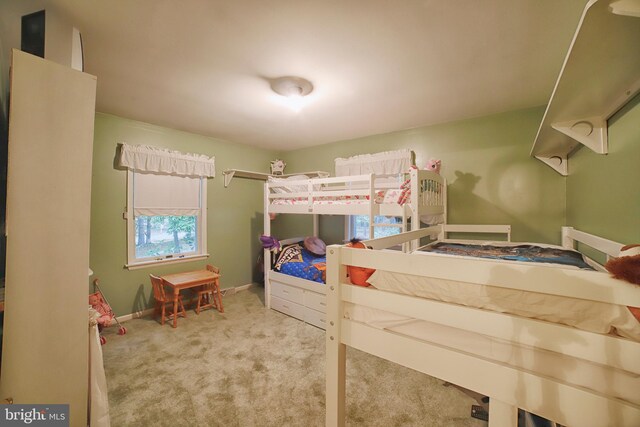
[568, 375]
[370, 194]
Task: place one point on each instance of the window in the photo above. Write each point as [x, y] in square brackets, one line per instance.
[166, 218]
[383, 163]
[359, 226]
[166, 204]
[162, 236]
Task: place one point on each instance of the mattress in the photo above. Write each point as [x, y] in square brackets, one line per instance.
[578, 372]
[587, 315]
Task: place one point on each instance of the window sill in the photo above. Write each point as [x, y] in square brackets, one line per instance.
[152, 263]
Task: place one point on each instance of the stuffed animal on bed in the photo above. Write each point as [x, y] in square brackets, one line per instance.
[270, 243]
[315, 245]
[359, 275]
[434, 165]
[627, 265]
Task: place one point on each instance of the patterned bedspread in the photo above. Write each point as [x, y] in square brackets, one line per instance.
[381, 197]
[523, 253]
[295, 260]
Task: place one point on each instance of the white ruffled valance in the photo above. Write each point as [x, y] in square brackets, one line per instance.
[387, 162]
[147, 158]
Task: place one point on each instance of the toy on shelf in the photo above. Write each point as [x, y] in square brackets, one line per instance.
[277, 167]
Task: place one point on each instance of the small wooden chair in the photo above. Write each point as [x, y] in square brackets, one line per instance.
[209, 296]
[162, 300]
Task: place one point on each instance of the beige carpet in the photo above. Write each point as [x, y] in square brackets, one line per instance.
[256, 367]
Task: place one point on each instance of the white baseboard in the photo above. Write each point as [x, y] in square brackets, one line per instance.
[149, 311]
[135, 315]
[231, 291]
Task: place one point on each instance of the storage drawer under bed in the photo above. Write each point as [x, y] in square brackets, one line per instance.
[315, 301]
[288, 307]
[286, 292]
[315, 318]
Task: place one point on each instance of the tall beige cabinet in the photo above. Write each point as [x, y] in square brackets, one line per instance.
[51, 118]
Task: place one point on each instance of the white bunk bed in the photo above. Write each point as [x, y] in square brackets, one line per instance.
[370, 195]
[568, 375]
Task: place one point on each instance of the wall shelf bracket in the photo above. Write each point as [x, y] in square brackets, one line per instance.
[228, 176]
[599, 76]
[558, 163]
[625, 7]
[590, 132]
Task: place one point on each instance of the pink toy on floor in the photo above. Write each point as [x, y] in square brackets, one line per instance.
[99, 304]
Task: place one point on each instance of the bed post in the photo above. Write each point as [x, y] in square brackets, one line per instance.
[416, 204]
[567, 241]
[442, 235]
[445, 212]
[415, 198]
[406, 246]
[372, 204]
[444, 198]
[335, 349]
[266, 252]
[316, 228]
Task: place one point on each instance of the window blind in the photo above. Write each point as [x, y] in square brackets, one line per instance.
[156, 194]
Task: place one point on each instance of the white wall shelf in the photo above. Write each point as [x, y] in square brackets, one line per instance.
[229, 174]
[600, 74]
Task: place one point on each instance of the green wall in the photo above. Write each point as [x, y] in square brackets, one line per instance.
[491, 177]
[234, 219]
[602, 193]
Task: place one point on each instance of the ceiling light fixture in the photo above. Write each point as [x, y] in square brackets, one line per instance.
[291, 86]
[292, 91]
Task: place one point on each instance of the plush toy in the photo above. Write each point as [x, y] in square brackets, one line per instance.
[315, 245]
[99, 304]
[277, 167]
[434, 165]
[270, 243]
[359, 275]
[627, 265]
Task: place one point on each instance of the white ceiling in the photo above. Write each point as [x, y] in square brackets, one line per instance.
[377, 65]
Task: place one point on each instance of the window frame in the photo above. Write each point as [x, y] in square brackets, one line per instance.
[350, 226]
[134, 263]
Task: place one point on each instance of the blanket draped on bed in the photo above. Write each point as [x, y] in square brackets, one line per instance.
[523, 253]
[295, 260]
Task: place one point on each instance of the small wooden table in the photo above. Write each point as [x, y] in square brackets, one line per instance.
[186, 280]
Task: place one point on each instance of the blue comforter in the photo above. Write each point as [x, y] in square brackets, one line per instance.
[295, 260]
[523, 253]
